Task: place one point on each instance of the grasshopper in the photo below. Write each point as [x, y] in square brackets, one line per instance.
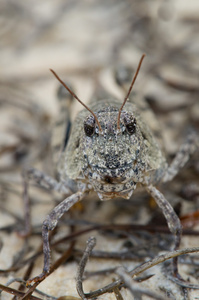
[110, 151]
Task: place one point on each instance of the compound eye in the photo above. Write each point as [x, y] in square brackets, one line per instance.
[130, 124]
[89, 126]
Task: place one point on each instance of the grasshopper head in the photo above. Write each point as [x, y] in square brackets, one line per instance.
[113, 161]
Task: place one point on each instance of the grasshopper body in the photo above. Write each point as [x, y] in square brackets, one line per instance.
[111, 149]
[112, 162]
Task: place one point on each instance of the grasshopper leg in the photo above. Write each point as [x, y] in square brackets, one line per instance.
[48, 182]
[171, 218]
[49, 224]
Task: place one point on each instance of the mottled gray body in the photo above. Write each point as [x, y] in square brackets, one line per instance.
[111, 162]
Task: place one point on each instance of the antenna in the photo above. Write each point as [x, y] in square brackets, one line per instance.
[129, 91]
[73, 94]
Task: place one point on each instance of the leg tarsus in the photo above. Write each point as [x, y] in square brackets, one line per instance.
[36, 279]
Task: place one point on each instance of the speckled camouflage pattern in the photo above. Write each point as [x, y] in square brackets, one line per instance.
[113, 161]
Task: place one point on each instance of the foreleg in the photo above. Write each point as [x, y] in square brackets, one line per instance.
[48, 182]
[49, 224]
[171, 218]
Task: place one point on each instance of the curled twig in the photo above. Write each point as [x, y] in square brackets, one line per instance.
[90, 245]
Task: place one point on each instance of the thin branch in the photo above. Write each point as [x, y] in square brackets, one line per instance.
[134, 287]
[145, 266]
[90, 245]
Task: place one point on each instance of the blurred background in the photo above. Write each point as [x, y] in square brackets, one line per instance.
[85, 41]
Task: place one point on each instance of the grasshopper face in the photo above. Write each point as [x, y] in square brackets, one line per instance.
[113, 157]
[111, 161]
